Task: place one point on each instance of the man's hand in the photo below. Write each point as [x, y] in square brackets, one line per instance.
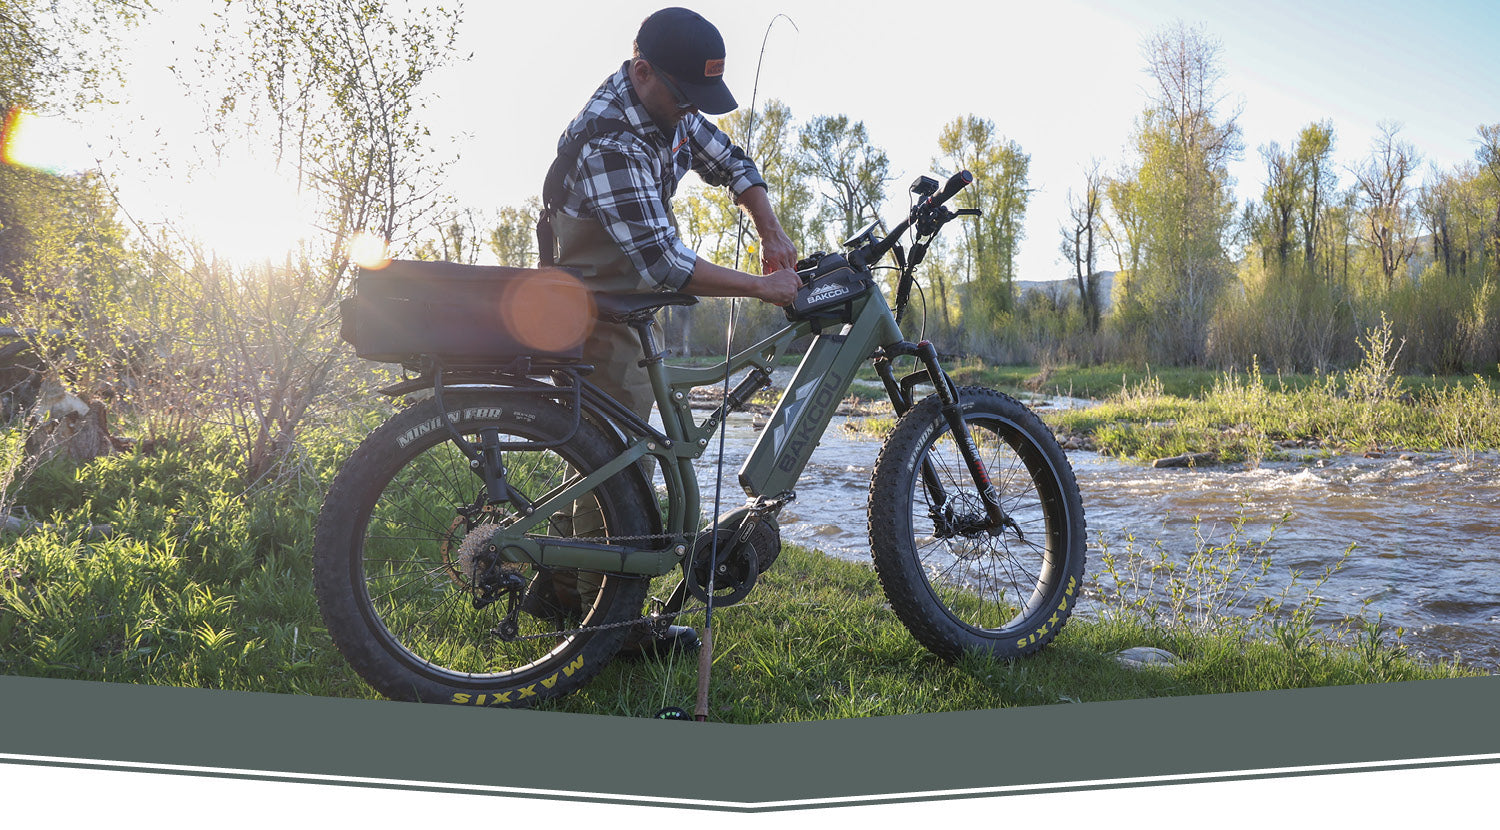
[709, 280]
[776, 251]
[776, 248]
[779, 287]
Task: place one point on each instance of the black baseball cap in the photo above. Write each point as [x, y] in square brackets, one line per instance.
[682, 44]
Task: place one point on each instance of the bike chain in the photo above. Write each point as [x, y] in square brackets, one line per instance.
[656, 618]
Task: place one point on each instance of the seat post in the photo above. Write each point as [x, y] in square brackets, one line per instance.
[642, 325]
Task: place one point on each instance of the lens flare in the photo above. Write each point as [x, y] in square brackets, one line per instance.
[369, 250]
[50, 145]
[548, 310]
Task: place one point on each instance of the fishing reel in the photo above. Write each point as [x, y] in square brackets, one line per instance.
[748, 544]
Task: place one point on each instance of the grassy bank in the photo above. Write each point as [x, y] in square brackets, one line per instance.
[1239, 416]
[816, 640]
[1244, 417]
[199, 584]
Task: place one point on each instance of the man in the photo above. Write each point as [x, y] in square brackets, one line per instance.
[614, 221]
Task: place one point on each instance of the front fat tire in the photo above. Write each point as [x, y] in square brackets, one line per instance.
[1003, 596]
[384, 522]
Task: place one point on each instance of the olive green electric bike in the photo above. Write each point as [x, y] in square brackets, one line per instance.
[494, 543]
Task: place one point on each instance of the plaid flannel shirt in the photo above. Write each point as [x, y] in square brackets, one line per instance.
[625, 180]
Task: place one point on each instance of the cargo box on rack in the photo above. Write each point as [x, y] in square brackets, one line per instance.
[466, 314]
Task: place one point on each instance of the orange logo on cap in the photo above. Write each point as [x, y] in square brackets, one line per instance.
[714, 68]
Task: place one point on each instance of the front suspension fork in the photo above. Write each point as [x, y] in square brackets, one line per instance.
[952, 409]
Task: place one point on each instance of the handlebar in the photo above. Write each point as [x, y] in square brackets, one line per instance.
[958, 181]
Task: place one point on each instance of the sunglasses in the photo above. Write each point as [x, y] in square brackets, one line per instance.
[683, 104]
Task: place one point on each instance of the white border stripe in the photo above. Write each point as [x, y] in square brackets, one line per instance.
[483, 789]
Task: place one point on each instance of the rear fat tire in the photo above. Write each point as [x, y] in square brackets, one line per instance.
[1003, 595]
[398, 610]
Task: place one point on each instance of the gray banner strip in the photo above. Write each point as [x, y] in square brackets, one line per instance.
[460, 749]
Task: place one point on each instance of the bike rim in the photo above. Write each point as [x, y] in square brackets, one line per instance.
[992, 585]
[418, 590]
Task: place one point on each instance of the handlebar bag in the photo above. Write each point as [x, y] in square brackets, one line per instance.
[829, 291]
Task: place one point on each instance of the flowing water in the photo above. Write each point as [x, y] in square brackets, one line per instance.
[1425, 529]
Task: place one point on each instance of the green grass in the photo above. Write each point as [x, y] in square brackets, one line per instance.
[816, 640]
[1244, 416]
[1108, 380]
[1236, 416]
[198, 583]
[201, 584]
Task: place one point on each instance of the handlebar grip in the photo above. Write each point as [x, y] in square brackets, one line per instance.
[958, 181]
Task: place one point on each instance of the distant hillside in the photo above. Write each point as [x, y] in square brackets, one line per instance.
[1067, 288]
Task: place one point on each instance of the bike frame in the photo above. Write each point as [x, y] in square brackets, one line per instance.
[769, 473]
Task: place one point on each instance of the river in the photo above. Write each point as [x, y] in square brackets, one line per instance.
[1425, 529]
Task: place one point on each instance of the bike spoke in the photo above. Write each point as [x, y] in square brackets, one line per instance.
[986, 580]
[399, 588]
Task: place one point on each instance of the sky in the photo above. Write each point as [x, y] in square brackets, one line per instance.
[1063, 79]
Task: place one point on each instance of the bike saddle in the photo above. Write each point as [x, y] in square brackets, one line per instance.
[626, 308]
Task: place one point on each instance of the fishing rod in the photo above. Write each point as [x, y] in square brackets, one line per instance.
[706, 653]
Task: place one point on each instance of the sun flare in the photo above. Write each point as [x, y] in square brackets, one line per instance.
[245, 212]
[49, 144]
[369, 250]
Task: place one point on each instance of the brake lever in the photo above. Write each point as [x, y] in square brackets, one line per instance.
[932, 219]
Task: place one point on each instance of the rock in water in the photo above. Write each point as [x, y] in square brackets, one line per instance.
[1192, 459]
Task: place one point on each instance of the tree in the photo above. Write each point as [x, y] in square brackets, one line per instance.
[334, 88]
[53, 58]
[1340, 232]
[336, 84]
[62, 250]
[848, 172]
[1180, 194]
[513, 238]
[1472, 203]
[770, 138]
[1434, 204]
[711, 223]
[1125, 234]
[457, 238]
[1314, 152]
[23, 54]
[1488, 155]
[1285, 180]
[1080, 241]
[989, 246]
[58, 53]
[1386, 200]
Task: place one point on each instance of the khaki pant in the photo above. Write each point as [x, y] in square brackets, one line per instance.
[614, 349]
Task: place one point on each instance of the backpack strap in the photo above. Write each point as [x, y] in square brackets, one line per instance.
[552, 187]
